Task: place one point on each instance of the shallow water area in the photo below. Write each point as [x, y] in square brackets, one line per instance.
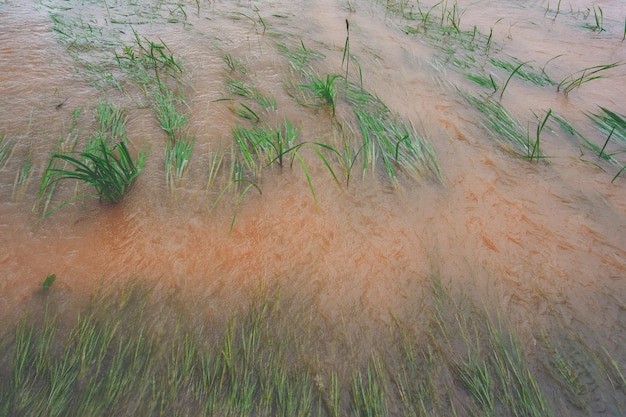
[540, 240]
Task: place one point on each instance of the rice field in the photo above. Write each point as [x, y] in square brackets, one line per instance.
[356, 208]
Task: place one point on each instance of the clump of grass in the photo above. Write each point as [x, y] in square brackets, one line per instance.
[111, 120]
[505, 128]
[299, 57]
[250, 92]
[385, 138]
[23, 176]
[145, 57]
[171, 120]
[324, 90]
[611, 123]
[584, 76]
[110, 171]
[614, 125]
[177, 156]
[265, 143]
[6, 148]
[368, 393]
[388, 138]
[598, 16]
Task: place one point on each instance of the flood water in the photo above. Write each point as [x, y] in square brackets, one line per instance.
[539, 240]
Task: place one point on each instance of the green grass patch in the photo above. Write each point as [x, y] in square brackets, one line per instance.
[129, 352]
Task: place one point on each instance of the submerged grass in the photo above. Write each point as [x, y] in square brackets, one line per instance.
[129, 353]
[177, 156]
[110, 171]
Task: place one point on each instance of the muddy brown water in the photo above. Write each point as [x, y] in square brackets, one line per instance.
[537, 239]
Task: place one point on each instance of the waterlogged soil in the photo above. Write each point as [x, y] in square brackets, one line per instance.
[542, 241]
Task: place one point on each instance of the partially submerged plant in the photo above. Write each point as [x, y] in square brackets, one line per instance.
[6, 148]
[585, 75]
[170, 118]
[110, 171]
[177, 156]
[323, 91]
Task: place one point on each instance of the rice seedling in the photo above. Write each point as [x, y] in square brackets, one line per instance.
[23, 176]
[215, 165]
[299, 57]
[506, 129]
[611, 123]
[346, 50]
[251, 93]
[483, 81]
[112, 121]
[323, 91]
[47, 283]
[467, 364]
[583, 142]
[534, 151]
[177, 156]
[522, 70]
[157, 56]
[234, 65]
[388, 138]
[265, 143]
[521, 392]
[111, 171]
[598, 15]
[368, 393]
[584, 76]
[6, 148]
[165, 106]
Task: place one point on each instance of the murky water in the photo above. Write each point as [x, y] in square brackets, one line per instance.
[541, 239]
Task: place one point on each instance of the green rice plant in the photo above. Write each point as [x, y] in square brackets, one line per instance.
[561, 365]
[6, 148]
[165, 106]
[299, 57]
[611, 123]
[23, 176]
[110, 171]
[614, 125]
[598, 16]
[368, 393]
[535, 152]
[47, 283]
[581, 139]
[520, 390]
[156, 55]
[416, 378]
[483, 81]
[241, 88]
[504, 128]
[177, 156]
[522, 70]
[215, 165]
[323, 91]
[235, 184]
[65, 143]
[584, 76]
[387, 138]
[346, 50]
[112, 121]
[234, 65]
[265, 143]
[476, 376]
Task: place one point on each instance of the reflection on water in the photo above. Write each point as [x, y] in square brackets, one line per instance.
[538, 238]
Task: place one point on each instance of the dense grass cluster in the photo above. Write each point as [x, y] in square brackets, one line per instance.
[129, 353]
